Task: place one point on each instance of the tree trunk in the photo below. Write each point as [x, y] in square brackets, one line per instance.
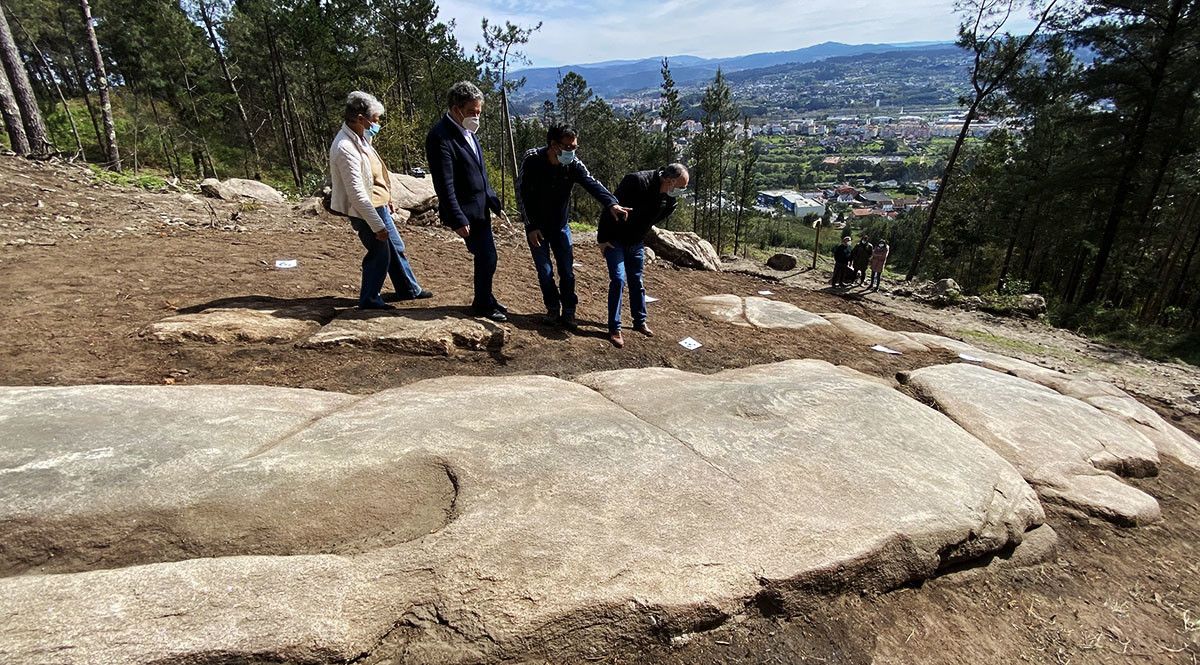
[281, 98]
[508, 132]
[943, 183]
[22, 92]
[57, 88]
[80, 78]
[247, 131]
[12, 117]
[112, 154]
[1133, 157]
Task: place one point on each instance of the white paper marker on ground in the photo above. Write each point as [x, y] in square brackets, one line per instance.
[883, 349]
[651, 299]
[286, 263]
[690, 344]
[765, 293]
[970, 359]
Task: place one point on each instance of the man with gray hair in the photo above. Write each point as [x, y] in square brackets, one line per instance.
[650, 197]
[465, 197]
[361, 189]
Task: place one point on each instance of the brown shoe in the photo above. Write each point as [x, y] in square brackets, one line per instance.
[644, 329]
[617, 340]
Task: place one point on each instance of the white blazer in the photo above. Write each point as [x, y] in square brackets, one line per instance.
[350, 178]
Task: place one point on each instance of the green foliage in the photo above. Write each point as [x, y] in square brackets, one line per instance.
[148, 182]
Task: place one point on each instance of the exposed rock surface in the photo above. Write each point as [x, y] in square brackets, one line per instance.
[236, 189]
[869, 334]
[781, 262]
[1068, 450]
[223, 325]
[754, 312]
[667, 503]
[417, 332]
[1110, 399]
[413, 194]
[683, 249]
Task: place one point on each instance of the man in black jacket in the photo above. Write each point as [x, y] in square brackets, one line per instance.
[650, 197]
[841, 263]
[465, 197]
[543, 193]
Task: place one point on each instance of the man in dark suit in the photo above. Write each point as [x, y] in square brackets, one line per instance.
[465, 198]
[650, 198]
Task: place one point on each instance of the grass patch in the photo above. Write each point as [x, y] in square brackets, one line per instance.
[144, 181]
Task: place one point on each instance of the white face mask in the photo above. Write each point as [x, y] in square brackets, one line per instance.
[471, 123]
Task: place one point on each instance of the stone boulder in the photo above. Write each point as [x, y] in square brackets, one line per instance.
[1031, 305]
[649, 255]
[414, 332]
[784, 262]
[1068, 450]
[541, 487]
[683, 249]
[265, 324]
[754, 312]
[869, 334]
[238, 189]
[413, 194]
[944, 287]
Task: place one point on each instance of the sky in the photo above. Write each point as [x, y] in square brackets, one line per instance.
[581, 31]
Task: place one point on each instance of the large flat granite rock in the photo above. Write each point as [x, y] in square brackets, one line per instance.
[227, 325]
[754, 312]
[1071, 452]
[653, 502]
[416, 332]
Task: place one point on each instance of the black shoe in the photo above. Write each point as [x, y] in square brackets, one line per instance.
[567, 323]
[495, 315]
[498, 306]
[551, 319]
[396, 297]
[378, 306]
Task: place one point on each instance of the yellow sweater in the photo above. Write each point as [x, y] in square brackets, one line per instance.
[381, 191]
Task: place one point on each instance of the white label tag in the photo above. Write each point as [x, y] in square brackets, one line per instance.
[883, 349]
[286, 263]
[690, 344]
[651, 299]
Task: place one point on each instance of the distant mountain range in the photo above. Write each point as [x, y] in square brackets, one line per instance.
[614, 77]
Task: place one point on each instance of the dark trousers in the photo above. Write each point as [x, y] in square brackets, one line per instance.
[559, 298]
[841, 273]
[384, 258]
[482, 245]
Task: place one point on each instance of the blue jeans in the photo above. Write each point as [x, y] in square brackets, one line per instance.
[384, 258]
[626, 263]
[559, 296]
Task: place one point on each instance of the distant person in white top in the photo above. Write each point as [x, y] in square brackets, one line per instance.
[361, 190]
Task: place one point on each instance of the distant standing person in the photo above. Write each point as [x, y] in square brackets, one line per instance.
[860, 258]
[548, 174]
[465, 197]
[879, 258]
[841, 262]
[650, 197]
[360, 188]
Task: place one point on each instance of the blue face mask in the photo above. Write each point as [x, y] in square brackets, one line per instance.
[566, 157]
[371, 131]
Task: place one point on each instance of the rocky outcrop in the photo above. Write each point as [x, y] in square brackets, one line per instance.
[683, 249]
[754, 312]
[423, 332]
[1068, 450]
[413, 194]
[224, 325]
[238, 189]
[869, 334]
[648, 503]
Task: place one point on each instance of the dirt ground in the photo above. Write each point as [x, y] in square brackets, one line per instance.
[85, 266]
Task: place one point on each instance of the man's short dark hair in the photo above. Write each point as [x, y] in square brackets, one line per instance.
[462, 92]
[558, 133]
